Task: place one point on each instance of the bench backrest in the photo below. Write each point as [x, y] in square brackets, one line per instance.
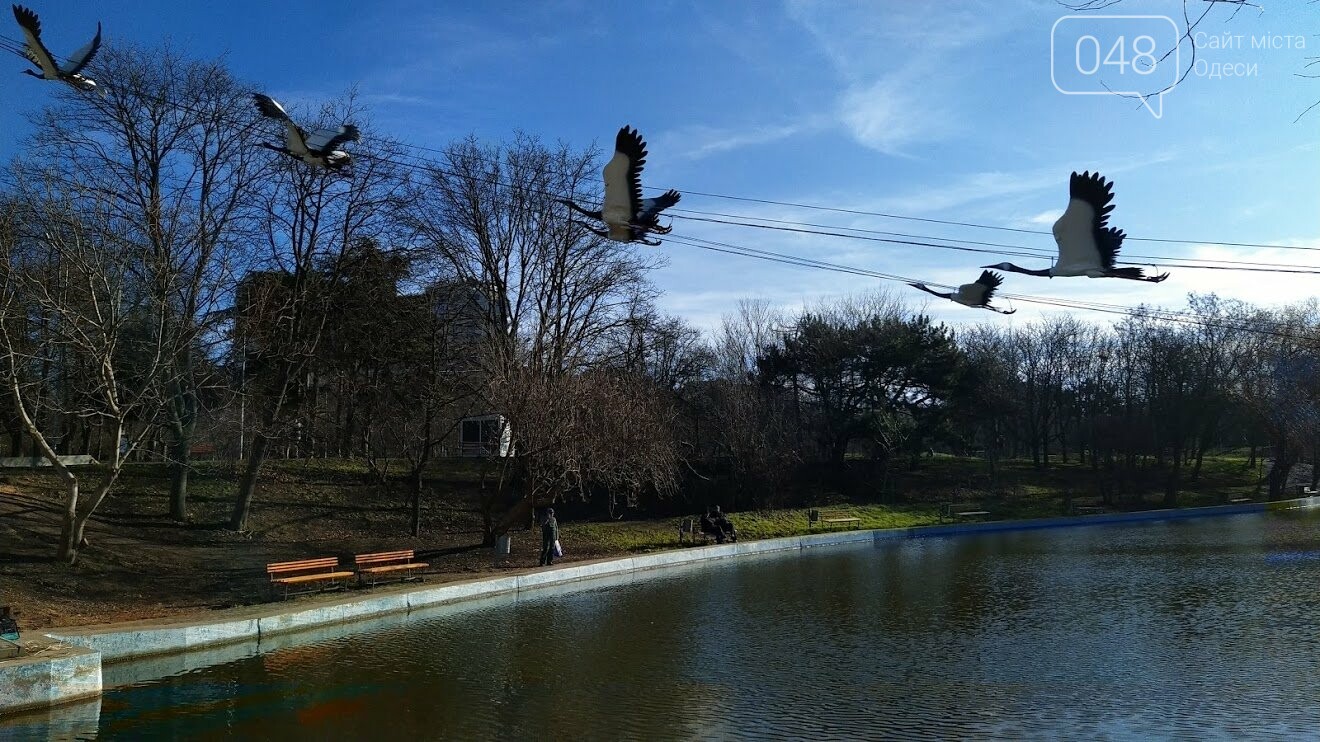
[285, 569]
[384, 556]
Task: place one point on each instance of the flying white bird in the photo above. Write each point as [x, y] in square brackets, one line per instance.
[1087, 245]
[318, 148]
[40, 56]
[628, 217]
[972, 294]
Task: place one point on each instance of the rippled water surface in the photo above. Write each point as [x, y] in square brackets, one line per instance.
[1199, 629]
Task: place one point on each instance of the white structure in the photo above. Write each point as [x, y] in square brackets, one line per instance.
[484, 435]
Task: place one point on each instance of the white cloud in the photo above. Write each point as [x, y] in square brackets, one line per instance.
[902, 62]
[1045, 218]
[893, 113]
[698, 141]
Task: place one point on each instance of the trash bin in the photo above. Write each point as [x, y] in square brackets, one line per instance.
[503, 544]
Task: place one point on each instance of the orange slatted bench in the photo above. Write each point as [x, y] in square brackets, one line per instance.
[316, 573]
[371, 566]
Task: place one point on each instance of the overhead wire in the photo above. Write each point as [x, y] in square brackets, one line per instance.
[1138, 312]
[16, 46]
[933, 242]
[900, 239]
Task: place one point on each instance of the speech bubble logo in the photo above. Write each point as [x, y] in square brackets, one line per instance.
[1133, 56]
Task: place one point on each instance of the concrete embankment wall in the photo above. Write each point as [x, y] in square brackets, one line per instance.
[70, 667]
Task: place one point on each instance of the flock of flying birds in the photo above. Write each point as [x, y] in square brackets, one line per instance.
[1087, 245]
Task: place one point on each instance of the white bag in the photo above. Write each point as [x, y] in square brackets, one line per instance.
[559, 551]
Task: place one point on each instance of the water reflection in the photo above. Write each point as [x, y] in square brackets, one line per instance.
[1183, 628]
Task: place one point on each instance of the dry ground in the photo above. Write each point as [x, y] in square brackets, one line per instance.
[139, 564]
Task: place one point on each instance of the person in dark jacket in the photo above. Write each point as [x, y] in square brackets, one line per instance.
[724, 526]
[709, 528]
[549, 535]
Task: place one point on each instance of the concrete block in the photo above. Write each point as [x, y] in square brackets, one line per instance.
[573, 572]
[299, 620]
[598, 582]
[375, 606]
[668, 558]
[220, 633]
[456, 591]
[49, 675]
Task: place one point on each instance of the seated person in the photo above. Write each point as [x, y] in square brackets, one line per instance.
[724, 525]
[710, 527]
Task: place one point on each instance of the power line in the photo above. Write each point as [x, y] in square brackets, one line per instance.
[973, 225]
[959, 245]
[900, 238]
[1149, 312]
[1044, 252]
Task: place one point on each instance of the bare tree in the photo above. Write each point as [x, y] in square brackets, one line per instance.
[314, 225]
[552, 293]
[168, 153]
[80, 335]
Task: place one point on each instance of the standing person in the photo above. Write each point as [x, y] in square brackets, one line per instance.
[549, 535]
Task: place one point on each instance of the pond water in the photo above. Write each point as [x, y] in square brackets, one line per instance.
[1199, 628]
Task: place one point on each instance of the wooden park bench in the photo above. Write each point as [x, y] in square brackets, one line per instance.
[370, 566]
[315, 573]
[690, 529]
[831, 517]
[962, 511]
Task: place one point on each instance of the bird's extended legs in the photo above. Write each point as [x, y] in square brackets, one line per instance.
[594, 230]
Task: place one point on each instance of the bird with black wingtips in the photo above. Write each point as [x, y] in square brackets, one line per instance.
[71, 71]
[627, 216]
[319, 148]
[1088, 246]
[977, 294]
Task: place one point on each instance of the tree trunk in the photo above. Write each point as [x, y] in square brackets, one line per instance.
[70, 530]
[416, 526]
[1283, 463]
[247, 486]
[1315, 463]
[180, 466]
[1171, 484]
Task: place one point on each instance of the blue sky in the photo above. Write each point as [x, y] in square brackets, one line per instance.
[942, 110]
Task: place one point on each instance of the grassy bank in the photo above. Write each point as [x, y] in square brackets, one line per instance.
[140, 565]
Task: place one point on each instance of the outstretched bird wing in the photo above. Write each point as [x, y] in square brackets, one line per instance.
[269, 107]
[623, 178]
[295, 139]
[36, 51]
[1080, 232]
[988, 282]
[326, 141]
[83, 56]
[1109, 241]
[652, 207]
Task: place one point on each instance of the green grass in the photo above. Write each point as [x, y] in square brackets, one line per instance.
[662, 533]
